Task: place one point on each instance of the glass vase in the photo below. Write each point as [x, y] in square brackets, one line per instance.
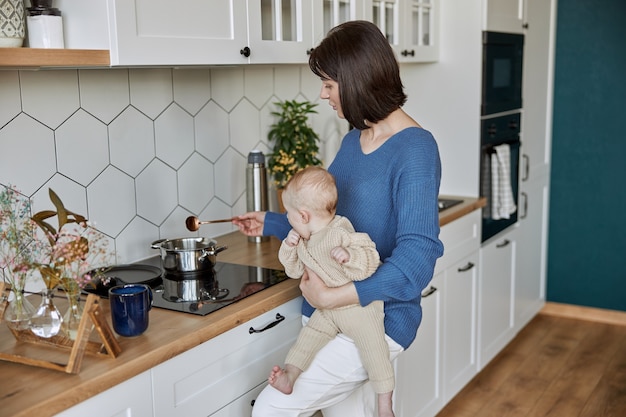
[46, 322]
[18, 312]
[73, 315]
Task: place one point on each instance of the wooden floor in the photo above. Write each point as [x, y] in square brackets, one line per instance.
[556, 366]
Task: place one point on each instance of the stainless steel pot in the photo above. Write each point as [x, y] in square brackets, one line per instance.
[187, 255]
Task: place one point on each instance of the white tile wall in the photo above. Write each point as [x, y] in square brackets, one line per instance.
[139, 150]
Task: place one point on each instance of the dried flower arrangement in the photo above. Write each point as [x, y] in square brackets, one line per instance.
[74, 249]
[64, 257]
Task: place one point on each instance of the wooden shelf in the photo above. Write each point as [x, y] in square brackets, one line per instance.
[53, 58]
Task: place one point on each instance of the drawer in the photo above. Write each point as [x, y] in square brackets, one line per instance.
[460, 238]
[205, 379]
[242, 406]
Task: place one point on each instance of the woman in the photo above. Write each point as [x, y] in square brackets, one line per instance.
[387, 172]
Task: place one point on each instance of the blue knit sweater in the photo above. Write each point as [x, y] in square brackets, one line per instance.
[391, 194]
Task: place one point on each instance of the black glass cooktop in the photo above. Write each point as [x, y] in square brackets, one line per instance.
[202, 294]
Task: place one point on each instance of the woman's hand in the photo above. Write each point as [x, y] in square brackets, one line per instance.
[251, 223]
[315, 291]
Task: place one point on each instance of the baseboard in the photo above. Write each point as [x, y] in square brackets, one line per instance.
[585, 313]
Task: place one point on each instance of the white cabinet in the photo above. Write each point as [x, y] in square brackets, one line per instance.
[443, 357]
[330, 13]
[411, 26]
[197, 32]
[220, 377]
[132, 398]
[496, 294]
[459, 319]
[418, 370]
[505, 15]
[224, 373]
[279, 31]
[530, 277]
[537, 85]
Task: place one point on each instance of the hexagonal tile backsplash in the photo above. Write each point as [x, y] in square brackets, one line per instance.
[139, 150]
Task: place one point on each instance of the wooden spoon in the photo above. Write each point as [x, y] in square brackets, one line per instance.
[193, 223]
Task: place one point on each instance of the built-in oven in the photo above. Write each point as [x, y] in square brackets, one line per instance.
[502, 72]
[499, 172]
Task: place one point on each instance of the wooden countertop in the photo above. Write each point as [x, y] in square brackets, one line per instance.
[28, 391]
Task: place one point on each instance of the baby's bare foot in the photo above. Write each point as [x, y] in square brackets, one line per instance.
[279, 379]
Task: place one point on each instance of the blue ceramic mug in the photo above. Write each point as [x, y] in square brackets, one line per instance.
[130, 305]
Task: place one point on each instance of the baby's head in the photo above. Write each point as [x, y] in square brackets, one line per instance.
[312, 189]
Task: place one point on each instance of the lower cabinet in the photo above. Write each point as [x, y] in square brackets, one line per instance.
[226, 372]
[131, 398]
[459, 325]
[496, 292]
[530, 278]
[443, 357]
[220, 377]
[418, 370]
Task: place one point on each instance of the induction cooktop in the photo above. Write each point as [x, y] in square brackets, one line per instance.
[225, 285]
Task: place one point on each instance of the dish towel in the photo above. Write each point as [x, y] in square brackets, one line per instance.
[485, 186]
[502, 202]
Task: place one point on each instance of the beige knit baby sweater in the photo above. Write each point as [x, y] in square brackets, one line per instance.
[315, 254]
[364, 325]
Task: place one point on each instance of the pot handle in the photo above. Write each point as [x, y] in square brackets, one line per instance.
[219, 249]
[213, 251]
[156, 243]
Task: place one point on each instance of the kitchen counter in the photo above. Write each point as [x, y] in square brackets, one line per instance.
[28, 391]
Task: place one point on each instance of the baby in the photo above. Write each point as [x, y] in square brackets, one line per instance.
[328, 245]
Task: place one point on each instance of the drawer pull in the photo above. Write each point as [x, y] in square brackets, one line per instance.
[279, 318]
[466, 267]
[503, 244]
[430, 291]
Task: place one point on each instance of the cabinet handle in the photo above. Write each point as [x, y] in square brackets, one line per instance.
[526, 167]
[503, 244]
[466, 267]
[430, 291]
[407, 53]
[309, 51]
[523, 216]
[245, 51]
[279, 318]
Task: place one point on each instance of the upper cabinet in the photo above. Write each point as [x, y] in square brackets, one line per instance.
[505, 16]
[411, 26]
[162, 32]
[226, 32]
[330, 13]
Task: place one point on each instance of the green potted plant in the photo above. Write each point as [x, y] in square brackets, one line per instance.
[295, 143]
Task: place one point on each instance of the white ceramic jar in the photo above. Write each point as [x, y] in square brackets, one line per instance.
[45, 25]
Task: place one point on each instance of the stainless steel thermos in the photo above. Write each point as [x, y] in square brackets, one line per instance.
[256, 187]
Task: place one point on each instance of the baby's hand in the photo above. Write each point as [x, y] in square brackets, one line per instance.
[340, 254]
[292, 238]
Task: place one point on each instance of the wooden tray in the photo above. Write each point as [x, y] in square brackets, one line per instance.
[59, 353]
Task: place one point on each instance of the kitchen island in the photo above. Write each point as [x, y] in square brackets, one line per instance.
[27, 391]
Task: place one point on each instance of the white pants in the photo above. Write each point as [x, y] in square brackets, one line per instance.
[335, 383]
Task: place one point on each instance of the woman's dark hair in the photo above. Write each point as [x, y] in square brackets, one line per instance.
[359, 58]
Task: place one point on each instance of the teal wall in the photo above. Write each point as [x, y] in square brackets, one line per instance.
[587, 232]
